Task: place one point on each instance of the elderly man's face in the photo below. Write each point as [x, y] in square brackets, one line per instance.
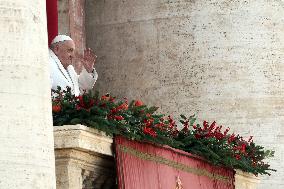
[65, 51]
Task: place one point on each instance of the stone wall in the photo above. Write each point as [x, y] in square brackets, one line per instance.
[71, 21]
[220, 59]
[26, 136]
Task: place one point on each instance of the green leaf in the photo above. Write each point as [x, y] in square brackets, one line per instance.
[182, 116]
[192, 121]
[75, 121]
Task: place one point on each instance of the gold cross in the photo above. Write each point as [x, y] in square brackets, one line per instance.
[178, 183]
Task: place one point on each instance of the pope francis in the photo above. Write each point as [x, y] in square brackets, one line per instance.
[63, 74]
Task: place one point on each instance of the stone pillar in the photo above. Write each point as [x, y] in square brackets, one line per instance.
[26, 137]
[84, 158]
[220, 59]
[71, 21]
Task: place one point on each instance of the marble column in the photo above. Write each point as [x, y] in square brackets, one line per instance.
[26, 136]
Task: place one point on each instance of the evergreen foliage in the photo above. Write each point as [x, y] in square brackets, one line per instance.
[137, 121]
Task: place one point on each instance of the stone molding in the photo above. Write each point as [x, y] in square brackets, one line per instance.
[245, 180]
[82, 138]
[84, 158]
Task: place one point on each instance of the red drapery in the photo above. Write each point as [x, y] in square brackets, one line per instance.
[52, 19]
[146, 166]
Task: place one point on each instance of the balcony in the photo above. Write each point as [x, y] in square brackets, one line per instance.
[85, 159]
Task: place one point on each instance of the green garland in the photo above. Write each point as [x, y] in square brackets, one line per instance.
[136, 121]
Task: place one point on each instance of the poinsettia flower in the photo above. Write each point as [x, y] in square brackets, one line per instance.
[148, 122]
[238, 157]
[243, 148]
[138, 103]
[212, 126]
[234, 146]
[111, 99]
[226, 131]
[105, 97]
[159, 125]
[56, 108]
[118, 117]
[205, 125]
[148, 115]
[231, 138]
[185, 126]
[172, 123]
[149, 131]
[84, 105]
[123, 106]
[197, 136]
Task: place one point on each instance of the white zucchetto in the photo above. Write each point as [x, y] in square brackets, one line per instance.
[61, 38]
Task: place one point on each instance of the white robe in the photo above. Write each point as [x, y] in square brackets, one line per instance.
[63, 78]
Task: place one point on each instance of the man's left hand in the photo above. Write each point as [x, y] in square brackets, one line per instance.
[89, 59]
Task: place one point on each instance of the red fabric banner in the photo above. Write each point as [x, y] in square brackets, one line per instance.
[146, 166]
[52, 19]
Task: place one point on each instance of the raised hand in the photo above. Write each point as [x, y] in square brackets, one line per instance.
[89, 59]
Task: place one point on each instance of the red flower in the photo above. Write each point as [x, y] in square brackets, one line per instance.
[219, 136]
[226, 131]
[197, 136]
[123, 106]
[172, 123]
[138, 103]
[110, 116]
[205, 125]
[118, 118]
[148, 122]
[82, 104]
[238, 157]
[185, 126]
[243, 148]
[56, 108]
[105, 97]
[161, 124]
[111, 99]
[231, 138]
[149, 131]
[174, 132]
[114, 110]
[103, 105]
[212, 126]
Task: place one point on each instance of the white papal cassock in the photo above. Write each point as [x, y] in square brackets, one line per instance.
[68, 77]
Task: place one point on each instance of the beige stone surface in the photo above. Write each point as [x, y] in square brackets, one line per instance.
[63, 17]
[26, 136]
[220, 59]
[84, 158]
[82, 138]
[71, 21]
[245, 180]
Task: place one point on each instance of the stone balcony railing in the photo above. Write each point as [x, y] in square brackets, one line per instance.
[84, 160]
